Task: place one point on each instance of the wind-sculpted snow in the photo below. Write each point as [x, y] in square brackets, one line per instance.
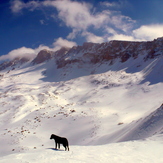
[146, 127]
[91, 103]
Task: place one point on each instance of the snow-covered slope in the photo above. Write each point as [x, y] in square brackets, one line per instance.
[146, 151]
[93, 94]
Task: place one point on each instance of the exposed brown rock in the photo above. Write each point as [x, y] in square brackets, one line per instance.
[42, 56]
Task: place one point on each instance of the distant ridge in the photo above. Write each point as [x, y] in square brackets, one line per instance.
[95, 53]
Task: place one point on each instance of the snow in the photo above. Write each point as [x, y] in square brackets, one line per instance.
[145, 151]
[107, 112]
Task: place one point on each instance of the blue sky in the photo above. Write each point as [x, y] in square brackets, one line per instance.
[27, 26]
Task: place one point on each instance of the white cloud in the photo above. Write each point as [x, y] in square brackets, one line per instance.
[20, 52]
[123, 23]
[60, 42]
[76, 14]
[121, 37]
[90, 37]
[118, 4]
[18, 5]
[73, 34]
[109, 4]
[143, 33]
[110, 31]
[30, 53]
[23, 52]
[42, 22]
[79, 16]
[41, 47]
[148, 32]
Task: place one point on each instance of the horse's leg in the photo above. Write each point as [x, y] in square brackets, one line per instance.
[55, 145]
[65, 146]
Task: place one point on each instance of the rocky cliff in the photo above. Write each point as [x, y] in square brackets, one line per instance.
[94, 53]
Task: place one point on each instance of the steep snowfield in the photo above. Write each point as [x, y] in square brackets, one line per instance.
[91, 105]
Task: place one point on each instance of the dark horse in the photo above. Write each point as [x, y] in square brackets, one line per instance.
[60, 140]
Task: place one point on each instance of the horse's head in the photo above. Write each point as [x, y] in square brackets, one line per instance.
[52, 136]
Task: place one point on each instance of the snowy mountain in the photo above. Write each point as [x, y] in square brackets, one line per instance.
[94, 95]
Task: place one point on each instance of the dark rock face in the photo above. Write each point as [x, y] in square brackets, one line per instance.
[13, 63]
[42, 56]
[95, 53]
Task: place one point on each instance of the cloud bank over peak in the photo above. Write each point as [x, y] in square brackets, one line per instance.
[148, 32]
[19, 53]
[30, 53]
[60, 42]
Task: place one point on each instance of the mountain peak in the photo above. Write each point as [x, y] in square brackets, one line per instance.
[42, 56]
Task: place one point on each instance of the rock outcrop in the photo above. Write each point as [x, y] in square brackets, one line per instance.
[97, 53]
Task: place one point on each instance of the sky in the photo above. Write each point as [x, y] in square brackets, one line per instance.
[28, 26]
